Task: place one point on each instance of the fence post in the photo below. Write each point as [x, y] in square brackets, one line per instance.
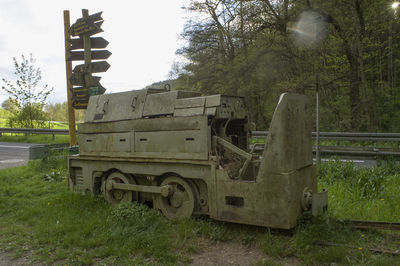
[317, 154]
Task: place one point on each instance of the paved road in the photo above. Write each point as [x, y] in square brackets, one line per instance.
[14, 154]
[363, 163]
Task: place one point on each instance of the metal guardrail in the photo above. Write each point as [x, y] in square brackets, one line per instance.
[35, 131]
[350, 136]
[47, 131]
[350, 152]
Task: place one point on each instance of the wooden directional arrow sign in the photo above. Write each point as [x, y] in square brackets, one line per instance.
[80, 94]
[97, 67]
[95, 55]
[77, 79]
[78, 104]
[87, 26]
[83, 93]
[95, 42]
[95, 17]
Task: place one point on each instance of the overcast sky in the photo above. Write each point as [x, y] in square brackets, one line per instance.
[143, 37]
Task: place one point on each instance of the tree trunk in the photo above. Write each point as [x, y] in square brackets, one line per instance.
[354, 93]
[360, 26]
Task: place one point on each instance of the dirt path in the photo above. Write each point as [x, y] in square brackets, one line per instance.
[233, 253]
[221, 254]
[6, 260]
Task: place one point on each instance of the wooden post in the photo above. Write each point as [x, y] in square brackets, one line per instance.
[317, 154]
[68, 66]
[87, 53]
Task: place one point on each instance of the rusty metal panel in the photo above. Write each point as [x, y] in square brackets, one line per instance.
[285, 151]
[187, 141]
[210, 111]
[226, 106]
[121, 142]
[231, 107]
[190, 102]
[117, 106]
[164, 103]
[189, 111]
[159, 123]
[160, 104]
[213, 100]
[90, 143]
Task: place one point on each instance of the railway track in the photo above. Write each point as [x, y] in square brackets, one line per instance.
[373, 225]
[367, 225]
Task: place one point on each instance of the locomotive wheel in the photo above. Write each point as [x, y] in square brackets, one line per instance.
[180, 201]
[116, 196]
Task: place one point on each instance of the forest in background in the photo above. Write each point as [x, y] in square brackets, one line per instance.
[259, 49]
[348, 49]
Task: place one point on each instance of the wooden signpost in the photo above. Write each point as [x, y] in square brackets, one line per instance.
[80, 82]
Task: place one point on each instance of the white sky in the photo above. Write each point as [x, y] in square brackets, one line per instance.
[143, 37]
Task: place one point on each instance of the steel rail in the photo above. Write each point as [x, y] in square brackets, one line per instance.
[374, 250]
[372, 224]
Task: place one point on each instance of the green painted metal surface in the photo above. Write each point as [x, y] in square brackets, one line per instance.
[186, 154]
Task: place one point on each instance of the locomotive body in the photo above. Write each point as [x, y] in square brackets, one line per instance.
[187, 154]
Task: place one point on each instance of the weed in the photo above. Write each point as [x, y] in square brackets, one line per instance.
[249, 240]
[362, 182]
[276, 245]
[53, 176]
[361, 193]
[211, 229]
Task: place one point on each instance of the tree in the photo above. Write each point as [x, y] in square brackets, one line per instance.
[28, 92]
[59, 112]
[10, 105]
[249, 48]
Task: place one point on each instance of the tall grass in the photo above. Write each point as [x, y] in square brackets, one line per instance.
[362, 193]
[41, 217]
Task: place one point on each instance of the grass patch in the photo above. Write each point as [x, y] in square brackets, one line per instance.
[39, 216]
[362, 193]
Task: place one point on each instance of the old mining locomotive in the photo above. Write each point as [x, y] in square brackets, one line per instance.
[187, 154]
